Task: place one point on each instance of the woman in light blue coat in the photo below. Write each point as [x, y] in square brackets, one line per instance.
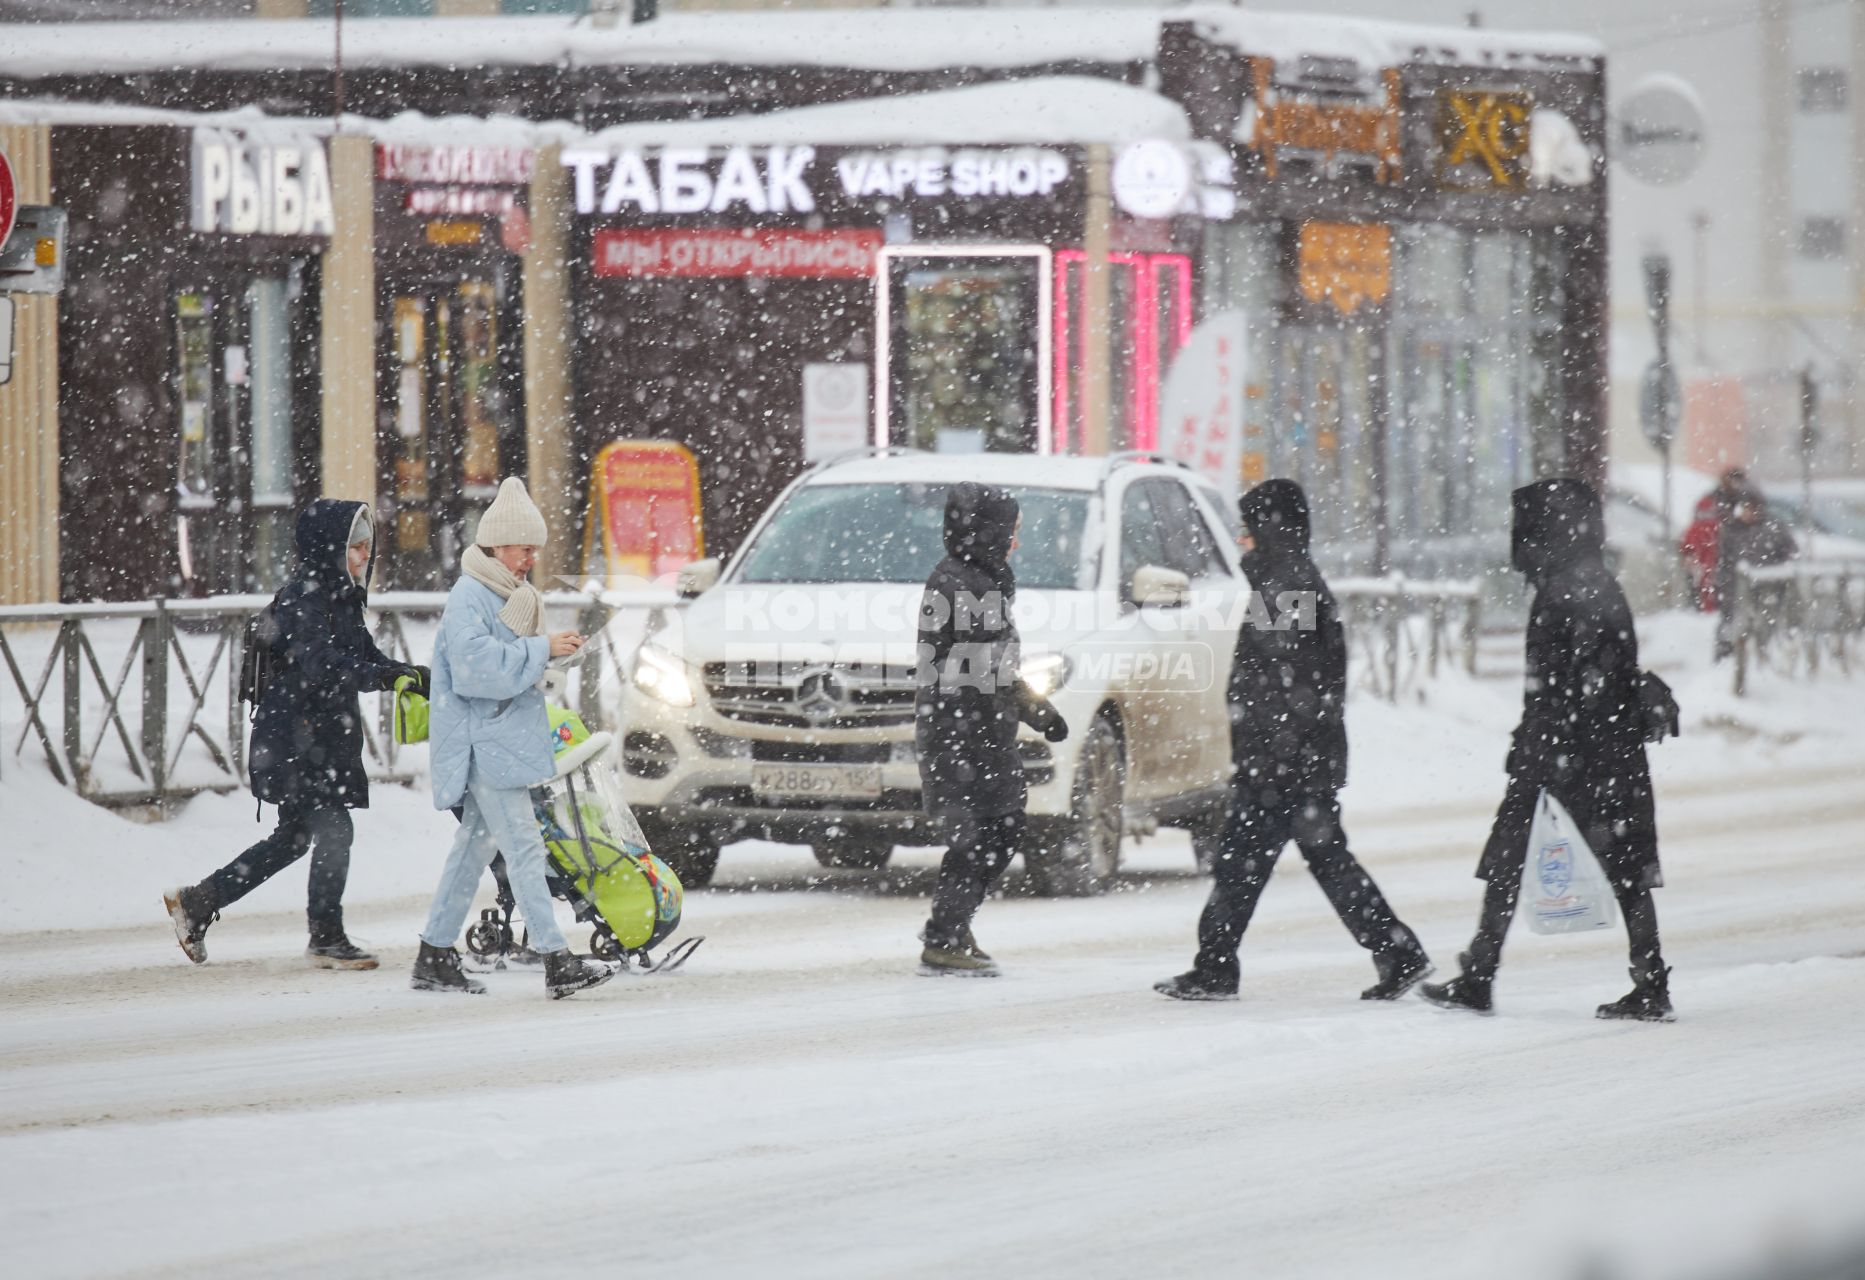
[490, 744]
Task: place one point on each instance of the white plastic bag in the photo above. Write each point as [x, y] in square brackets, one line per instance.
[1562, 884]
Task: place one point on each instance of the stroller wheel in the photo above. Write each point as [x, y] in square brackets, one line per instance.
[486, 938]
[603, 946]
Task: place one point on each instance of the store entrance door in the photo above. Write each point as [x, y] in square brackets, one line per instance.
[964, 347]
[237, 383]
[450, 412]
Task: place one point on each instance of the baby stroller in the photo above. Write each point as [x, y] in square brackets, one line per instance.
[599, 863]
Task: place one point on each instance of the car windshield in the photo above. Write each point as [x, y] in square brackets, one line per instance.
[894, 533]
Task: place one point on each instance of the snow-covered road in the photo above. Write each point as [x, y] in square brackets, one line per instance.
[799, 1102]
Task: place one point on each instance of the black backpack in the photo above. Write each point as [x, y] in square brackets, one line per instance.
[259, 662]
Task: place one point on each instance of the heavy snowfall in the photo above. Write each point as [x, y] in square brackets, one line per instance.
[1093, 639]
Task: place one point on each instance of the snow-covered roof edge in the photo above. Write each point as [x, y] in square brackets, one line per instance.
[876, 39]
[1377, 42]
[1052, 110]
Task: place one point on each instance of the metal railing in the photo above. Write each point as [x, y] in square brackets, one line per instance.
[1402, 630]
[1793, 618]
[123, 691]
[138, 702]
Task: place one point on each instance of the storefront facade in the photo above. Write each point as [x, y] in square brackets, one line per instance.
[1412, 251]
[188, 354]
[1419, 254]
[717, 282]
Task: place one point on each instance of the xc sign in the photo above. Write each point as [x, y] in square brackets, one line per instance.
[1483, 140]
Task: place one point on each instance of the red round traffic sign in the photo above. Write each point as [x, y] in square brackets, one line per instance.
[8, 204]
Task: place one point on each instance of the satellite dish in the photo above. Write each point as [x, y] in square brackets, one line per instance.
[1658, 133]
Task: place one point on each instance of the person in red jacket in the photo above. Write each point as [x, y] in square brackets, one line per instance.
[1698, 551]
[1701, 541]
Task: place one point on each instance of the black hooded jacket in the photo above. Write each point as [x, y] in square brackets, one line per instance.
[307, 742]
[1288, 679]
[970, 696]
[1582, 730]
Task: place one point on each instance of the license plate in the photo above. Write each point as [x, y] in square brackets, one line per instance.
[852, 780]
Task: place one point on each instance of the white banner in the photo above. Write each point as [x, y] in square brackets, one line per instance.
[1201, 404]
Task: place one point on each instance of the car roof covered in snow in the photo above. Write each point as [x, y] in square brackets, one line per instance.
[1018, 470]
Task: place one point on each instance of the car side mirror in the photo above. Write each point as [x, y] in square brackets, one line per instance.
[1158, 586]
[698, 577]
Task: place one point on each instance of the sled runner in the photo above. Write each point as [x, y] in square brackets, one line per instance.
[600, 863]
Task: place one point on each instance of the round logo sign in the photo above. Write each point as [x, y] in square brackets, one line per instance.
[1658, 134]
[1152, 179]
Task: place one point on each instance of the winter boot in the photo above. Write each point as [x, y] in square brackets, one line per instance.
[1399, 972]
[1197, 986]
[971, 945]
[1461, 992]
[190, 911]
[566, 973]
[1648, 1001]
[961, 959]
[331, 948]
[438, 969]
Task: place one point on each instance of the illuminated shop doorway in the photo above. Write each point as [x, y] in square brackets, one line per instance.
[1150, 317]
[963, 351]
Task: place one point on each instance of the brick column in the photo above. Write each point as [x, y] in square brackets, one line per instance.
[349, 327]
[554, 480]
[29, 407]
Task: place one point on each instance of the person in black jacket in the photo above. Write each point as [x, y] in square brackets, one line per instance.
[970, 701]
[1288, 690]
[1582, 737]
[1750, 534]
[307, 741]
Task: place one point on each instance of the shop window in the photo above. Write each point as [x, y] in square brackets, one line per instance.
[964, 355]
[442, 377]
[1822, 237]
[1149, 319]
[1822, 90]
[1318, 429]
[194, 325]
[269, 361]
[1476, 378]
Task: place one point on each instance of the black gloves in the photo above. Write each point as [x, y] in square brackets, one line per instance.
[1659, 708]
[420, 676]
[1041, 716]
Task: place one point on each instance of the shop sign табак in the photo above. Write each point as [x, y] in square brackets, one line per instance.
[801, 179]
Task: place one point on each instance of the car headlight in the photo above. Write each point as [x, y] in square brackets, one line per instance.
[1044, 673]
[662, 675]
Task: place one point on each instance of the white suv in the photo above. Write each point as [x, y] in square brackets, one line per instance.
[777, 701]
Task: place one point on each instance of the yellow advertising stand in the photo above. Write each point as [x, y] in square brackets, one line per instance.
[644, 515]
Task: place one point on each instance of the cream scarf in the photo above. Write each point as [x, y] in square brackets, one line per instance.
[524, 605]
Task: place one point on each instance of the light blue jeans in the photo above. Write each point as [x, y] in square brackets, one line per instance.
[494, 820]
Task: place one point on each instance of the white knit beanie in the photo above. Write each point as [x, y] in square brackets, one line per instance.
[512, 520]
